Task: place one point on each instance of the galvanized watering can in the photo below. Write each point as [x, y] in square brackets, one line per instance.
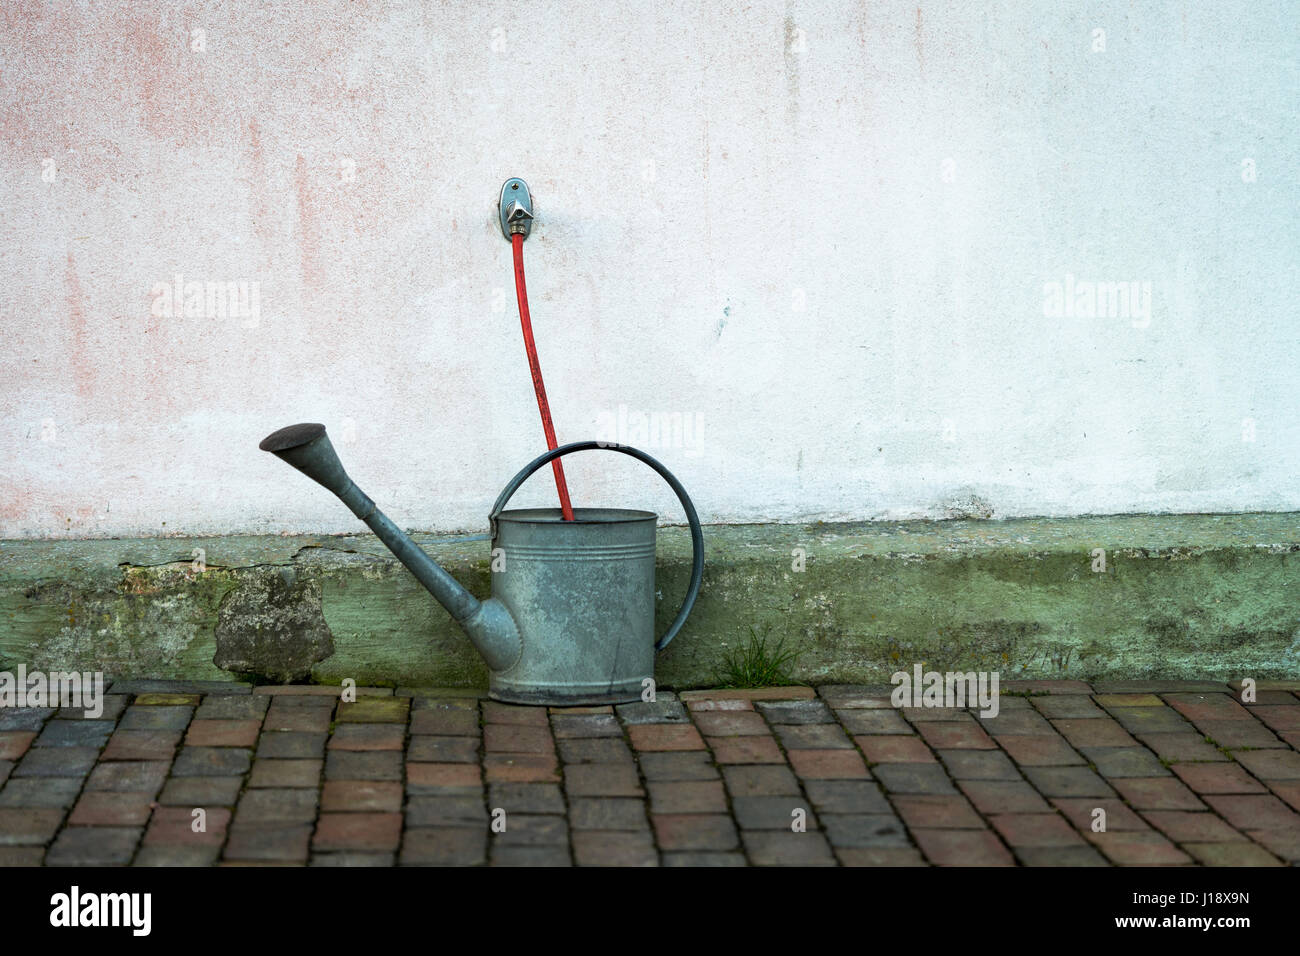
[571, 617]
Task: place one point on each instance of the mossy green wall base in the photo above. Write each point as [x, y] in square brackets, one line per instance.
[1181, 596]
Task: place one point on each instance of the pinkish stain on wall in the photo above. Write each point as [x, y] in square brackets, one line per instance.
[823, 231]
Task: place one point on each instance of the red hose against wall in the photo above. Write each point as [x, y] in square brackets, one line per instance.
[521, 293]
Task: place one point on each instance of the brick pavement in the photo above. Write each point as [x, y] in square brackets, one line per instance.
[205, 773]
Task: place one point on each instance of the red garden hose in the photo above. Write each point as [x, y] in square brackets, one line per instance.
[521, 293]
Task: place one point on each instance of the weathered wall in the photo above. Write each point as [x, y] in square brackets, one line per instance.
[822, 230]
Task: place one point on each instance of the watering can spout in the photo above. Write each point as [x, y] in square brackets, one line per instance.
[488, 623]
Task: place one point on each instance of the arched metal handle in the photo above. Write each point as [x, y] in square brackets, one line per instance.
[697, 533]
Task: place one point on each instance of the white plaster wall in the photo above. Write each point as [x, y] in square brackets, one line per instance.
[820, 230]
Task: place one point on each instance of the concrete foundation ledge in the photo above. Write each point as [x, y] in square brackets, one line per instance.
[1126, 597]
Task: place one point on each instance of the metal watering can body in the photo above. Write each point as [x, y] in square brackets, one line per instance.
[571, 617]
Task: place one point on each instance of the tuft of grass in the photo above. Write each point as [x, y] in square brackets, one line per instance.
[758, 665]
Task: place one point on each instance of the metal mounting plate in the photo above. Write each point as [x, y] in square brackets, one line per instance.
[515, 191]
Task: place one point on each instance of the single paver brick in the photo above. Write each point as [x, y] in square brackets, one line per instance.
[369, 737]
[1178, 748]
[41, 792]
[740, 750]
[1231, 854]
[796, 712]
[28, 826]
[1017, 723]
[442, 749]
[303, 720]
[268, 842]
[1004, 796]
[882, 856]
[587, 725]
[1044, 751]
[530, 829]
[442, 777]
[1271, 765]
[292, 745]
[875, 722]
[383, 796]
[812, 737]
[277, 806]
[1158, 793]
[944, 812]
[602, 780]
[527, 797]
[201, 791]
[890, 749]
[864, 829]
[1112, 762]
[1091, 732]
[106, 808]
[963, 848]
[14, 743]
[1067, 707]
[186, 826]
[1279, 718]
[1185, 826]
[979, 765]
[518, 739]
[667, 737]
[687, 796]
[233, 707]
[758, 781]
[1254, 812]
[498, 713]
[1217, 778]
[1137, 848]
[93, 846]
[786, 848]
[451, 810]
[618, 848]
[375, 710]
[145, 776]
[596, 750]
[24, 718]
[74, 733]
[1239, 733]
[775, 813]
[212, 761]
[722, 723]
[1035, 829]
[358, 831]
[664, 710]
[945, 735]
[828, 764]
[1068, 782]
[363, 765]
[1207, 707]
[694, 831]
[521, 768]
[286, 773]
[1082, 813]
[167, 700]
[678, 765]
[444, 846]
[838, 796]
[913, 778]
[222, 733]
[57, 762]
[727, 704]
[1151, 720]
[620, 813]
[142, 745]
